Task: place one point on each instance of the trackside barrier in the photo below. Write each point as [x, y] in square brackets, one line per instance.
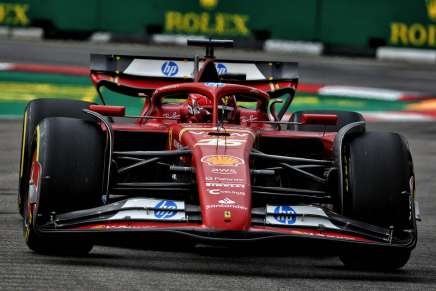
[335, 23]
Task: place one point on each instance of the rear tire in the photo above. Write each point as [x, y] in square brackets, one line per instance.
[344, 118]
[36, 111]
[378, 184]
[70, 163]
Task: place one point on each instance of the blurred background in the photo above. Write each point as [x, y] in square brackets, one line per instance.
[352, 25]
[376, 57]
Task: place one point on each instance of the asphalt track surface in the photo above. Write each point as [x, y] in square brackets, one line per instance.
[119, 269]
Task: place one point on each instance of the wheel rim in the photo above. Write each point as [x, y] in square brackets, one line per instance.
[32, 194]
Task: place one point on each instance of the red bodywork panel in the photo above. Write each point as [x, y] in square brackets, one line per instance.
[109, 110]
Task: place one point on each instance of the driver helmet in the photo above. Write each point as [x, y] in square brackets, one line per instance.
[199, 107]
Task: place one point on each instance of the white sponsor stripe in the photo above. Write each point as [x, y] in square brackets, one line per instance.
[153, 68]
[150, 203]
[250, 70]
[362, 92]
[304, 216]
[151, 211]
[148, 215]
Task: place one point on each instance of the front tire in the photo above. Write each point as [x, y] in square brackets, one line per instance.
[378, 187]
[66, 175]
[34, 113]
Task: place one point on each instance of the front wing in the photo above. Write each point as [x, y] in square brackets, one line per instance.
[139, 219]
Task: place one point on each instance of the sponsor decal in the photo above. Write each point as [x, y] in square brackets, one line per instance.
[225, 192]
[223, 179]
[227, 214]
[14, 14]
[234, 206]
[418, 34]
[249, 118]
[170, 68]
[224, 185]
[238, 134]
[214, 191]
[285, 214]
[309, 216]
[207, 19]
[192, 127]
[415, 34]
[172, 115]
[208, 4]
[213, 84]
[223, 171]
[230, 133]
[220, 142]
[431, 9]
[226, 201]
[222, 160]
[167, 209]
[221, 69]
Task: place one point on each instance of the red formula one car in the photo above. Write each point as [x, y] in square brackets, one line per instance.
[212, 159]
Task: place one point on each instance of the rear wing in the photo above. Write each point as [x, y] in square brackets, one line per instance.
[144, 74]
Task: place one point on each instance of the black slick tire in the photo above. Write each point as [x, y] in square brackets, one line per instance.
[378, 184]
[69, 154]
[36, 111]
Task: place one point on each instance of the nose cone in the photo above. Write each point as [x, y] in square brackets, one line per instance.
[225, 192]
[223, 175]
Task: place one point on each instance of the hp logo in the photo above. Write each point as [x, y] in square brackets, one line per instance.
[285, 214]
[165, 211]
[169, 68]
[221, 69]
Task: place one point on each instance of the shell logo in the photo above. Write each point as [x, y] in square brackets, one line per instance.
[222, 160]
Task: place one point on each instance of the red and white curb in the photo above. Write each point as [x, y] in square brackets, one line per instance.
[49, 69]
[362, 92]
[399, 116]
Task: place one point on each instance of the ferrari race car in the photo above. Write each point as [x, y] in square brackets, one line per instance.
[213, 158]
